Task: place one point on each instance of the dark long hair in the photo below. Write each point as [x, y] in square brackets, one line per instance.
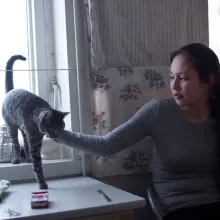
[206, 63]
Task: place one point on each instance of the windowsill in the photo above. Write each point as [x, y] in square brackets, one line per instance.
[68, 164]
[69, 198]
[51, 169]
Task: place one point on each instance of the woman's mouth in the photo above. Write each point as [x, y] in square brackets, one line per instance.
[178, 96]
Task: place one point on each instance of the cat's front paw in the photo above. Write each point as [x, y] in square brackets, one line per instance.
[15, 161]
[43, 185]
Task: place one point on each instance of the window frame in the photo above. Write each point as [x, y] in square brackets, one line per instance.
[41, 49]
[42, 65]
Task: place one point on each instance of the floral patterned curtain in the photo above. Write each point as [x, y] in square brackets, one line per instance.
[117, 93]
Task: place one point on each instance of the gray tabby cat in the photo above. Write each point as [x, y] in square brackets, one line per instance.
[33, 116]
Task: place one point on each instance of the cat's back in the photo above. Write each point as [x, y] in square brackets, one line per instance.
[22, 100]
[16, 93]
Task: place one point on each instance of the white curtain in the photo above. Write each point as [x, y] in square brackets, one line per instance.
[143, 32]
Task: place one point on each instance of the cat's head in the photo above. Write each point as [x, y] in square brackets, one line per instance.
[51, 122]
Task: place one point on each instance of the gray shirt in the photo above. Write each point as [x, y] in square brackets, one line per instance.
[184, 159]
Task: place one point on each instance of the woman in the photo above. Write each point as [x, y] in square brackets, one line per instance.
[185, 128]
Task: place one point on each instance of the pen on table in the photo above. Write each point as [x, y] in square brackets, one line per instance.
[104, 195]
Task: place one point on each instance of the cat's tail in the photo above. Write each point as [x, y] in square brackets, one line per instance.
[9, 84]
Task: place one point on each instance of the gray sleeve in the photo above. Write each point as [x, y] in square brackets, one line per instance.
[136, 128]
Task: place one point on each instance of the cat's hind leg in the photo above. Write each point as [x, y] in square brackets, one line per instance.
[35, 143]
[26, 147]
[13, 134]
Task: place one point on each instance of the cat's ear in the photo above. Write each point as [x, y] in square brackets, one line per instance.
[64, 114]
[45, 115]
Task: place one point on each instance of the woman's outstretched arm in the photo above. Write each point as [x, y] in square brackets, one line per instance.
[122, 137]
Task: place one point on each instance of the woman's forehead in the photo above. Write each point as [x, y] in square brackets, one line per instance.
[180, 65]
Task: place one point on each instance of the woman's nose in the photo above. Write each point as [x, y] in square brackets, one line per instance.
[175, 85]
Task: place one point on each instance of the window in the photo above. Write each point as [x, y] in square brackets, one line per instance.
[214, 22]
[28, 28]
[14, 40]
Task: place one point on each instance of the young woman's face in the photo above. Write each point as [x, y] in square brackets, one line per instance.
[186, 86]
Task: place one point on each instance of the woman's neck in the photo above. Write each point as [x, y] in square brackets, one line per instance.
[196, 113]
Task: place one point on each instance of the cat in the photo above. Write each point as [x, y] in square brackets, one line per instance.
[33, 116]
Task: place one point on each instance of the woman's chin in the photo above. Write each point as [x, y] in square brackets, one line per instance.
[180, 102]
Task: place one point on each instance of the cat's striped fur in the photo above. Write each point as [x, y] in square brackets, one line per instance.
[33, 116]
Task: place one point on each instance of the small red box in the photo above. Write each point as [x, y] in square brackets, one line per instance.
[39, 200]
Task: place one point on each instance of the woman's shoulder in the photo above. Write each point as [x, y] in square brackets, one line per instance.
[162, 102]
[159, 106]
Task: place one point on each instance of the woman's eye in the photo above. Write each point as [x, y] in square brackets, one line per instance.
[184, 78]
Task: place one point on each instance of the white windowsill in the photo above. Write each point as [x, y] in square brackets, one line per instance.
[69, 198]
[52, 166]
[51, 169]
